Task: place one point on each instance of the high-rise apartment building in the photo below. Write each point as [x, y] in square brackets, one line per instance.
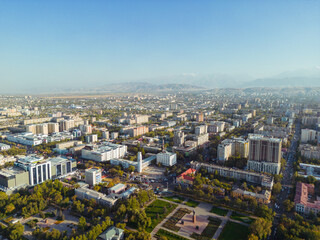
[264, 154]
[53, 127]
[178, 139]
[232, 147]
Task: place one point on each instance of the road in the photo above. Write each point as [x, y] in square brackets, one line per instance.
[286, 181]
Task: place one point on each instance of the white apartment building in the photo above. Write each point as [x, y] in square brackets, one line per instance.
[104, 152]
[167, 158]
[216, 126]
[199, 130]
[230, 147]
[92, 138]
[308, 135]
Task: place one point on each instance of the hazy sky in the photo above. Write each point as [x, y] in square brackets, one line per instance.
[71, 42]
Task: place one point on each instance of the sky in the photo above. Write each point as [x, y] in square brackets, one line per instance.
[85, 43]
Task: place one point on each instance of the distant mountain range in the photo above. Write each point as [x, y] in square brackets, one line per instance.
[128, 87]
[283, 82]
[139, 87]
[187, 82]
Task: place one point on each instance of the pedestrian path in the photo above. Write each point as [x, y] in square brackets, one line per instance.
[202, 209]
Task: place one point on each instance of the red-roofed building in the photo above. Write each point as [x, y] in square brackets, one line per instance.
[305, 201]
[187, 177]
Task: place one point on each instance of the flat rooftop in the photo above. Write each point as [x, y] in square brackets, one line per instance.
[12, 171]
[30, 159]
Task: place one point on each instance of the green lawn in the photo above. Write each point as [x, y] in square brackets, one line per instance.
[242, 218]
[175, 199]
[192, 203]
[219, 211]
[156, 212]
[233, 231]
[209, 231]
[169, 235]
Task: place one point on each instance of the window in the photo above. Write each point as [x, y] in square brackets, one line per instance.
[58, 172]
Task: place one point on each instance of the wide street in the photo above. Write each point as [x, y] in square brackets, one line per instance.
[287, 181]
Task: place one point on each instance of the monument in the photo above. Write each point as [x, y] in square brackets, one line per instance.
[194, 216]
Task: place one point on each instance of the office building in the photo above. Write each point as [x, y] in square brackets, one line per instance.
[61, 166]
[13, 178]
[167, 159]
[38, 168]
[93, 176]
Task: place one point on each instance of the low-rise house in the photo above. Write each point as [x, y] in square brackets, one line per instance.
[187, 177]
[112, 233]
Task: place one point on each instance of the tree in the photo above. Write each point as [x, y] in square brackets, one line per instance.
[264, 212]
[82, 225]
[277, 188]
[131, 168]
[9, 208]
[261, 228]
[163, 238]
[253, 237]
[15, 231]
[288, 205]
[121, 212]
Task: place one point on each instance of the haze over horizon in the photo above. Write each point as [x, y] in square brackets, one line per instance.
[78, 44]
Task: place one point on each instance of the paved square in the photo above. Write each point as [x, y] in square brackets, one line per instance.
[189, 227]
